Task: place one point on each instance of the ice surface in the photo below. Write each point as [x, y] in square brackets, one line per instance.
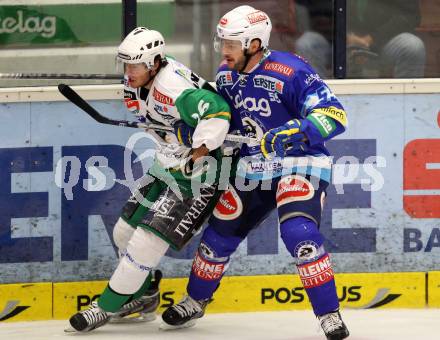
[296, 325]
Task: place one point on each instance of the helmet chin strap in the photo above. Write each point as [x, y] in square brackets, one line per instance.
[247, 57]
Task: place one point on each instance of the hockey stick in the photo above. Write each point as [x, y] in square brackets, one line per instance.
[59, 76]
[76, 99]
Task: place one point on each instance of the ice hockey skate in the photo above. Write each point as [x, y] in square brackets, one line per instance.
[88, 319]
[142, 309]
[333, 326]
[184, 314]
[139, 310]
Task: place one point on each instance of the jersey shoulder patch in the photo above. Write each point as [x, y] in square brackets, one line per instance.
[187, 74]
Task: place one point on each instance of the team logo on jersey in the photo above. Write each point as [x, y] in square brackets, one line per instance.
[162, 207]
[224, 78]
[269, 83]
[294, 188]
[229, 206]
[307, 251]
[256, 17]
[242, 80]
[252, 128]
[279, 68]
[206, 250]
[161, 98]
[311, 78]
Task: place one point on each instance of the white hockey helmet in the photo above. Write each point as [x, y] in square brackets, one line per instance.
[141, 46]
[244, 24]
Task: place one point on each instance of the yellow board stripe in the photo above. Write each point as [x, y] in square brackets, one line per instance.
[26, 301]
[60, 300]
[434, 289]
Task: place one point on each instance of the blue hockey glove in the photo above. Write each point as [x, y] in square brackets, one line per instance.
[286, 140]
[183, 132]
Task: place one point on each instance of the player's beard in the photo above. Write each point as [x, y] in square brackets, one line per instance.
[240, 63]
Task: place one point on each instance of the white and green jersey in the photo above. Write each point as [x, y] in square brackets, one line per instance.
[176, 94]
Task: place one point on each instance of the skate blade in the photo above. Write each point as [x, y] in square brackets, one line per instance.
[166, 327]
[147, 317]
[70, 330]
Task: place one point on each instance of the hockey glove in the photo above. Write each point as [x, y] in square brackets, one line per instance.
[183, 132]
[286, 140]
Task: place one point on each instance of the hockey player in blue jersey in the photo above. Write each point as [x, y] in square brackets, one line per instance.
[279, 99]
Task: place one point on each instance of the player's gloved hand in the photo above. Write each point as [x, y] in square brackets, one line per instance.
[286, 140]
[194, 165]
[183, 132]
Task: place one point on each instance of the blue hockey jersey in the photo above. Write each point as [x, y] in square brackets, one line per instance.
[282, 87]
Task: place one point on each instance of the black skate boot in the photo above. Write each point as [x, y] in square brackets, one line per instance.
[142, 309]
[89, 319]
[184, 314]
[333, 326]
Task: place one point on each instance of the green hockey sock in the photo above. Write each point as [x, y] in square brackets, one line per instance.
[143, 288]
[111, 301]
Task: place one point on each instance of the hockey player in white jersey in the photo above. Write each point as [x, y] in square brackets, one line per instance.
[160, 90]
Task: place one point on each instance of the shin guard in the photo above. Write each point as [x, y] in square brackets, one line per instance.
[210, 263]
[132, 275]
[305, 243]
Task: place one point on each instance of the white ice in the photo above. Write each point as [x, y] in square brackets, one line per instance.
[295, 325]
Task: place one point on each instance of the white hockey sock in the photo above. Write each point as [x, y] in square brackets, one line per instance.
[143, 253]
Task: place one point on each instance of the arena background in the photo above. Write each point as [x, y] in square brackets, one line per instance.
[382, 220]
